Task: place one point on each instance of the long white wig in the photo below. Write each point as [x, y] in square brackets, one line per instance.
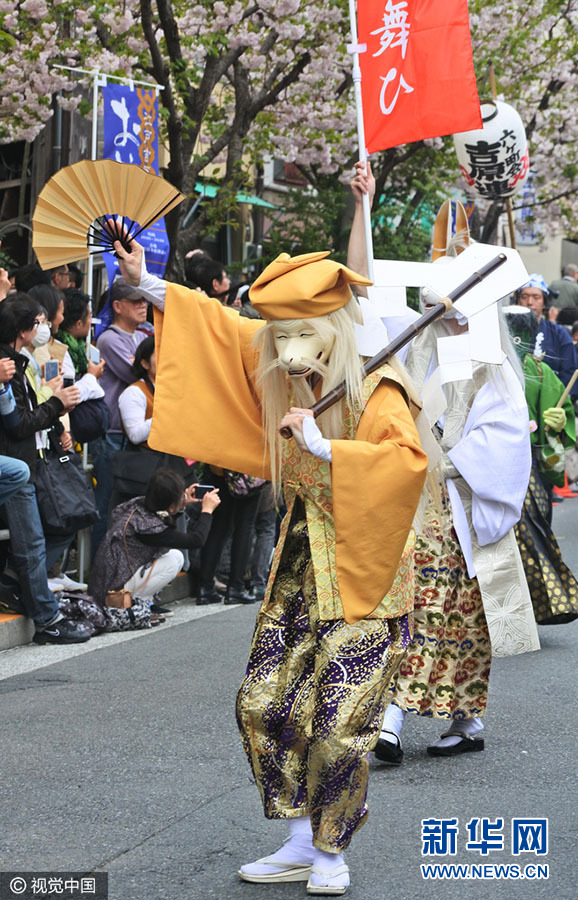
[278, 391]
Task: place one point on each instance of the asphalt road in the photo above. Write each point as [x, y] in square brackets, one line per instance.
[126, 759]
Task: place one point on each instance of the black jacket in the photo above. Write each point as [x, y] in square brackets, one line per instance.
[20, 442]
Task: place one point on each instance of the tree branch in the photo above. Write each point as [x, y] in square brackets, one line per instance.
[162, 74]
[553, 199]
[173, 40]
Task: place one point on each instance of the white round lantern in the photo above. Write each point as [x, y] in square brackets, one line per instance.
[495, 160]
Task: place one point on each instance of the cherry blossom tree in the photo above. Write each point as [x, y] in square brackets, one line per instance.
[246, 78]
[534, 49]
[234, 74]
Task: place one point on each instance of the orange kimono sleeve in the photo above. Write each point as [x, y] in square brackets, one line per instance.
[206, 404]
[376, 482]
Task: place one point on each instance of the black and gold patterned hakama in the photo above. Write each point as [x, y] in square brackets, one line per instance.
[552, 585]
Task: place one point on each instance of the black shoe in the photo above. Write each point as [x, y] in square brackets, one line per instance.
[467, 744]
[63, 632]
[208, 595]
[10, 601]
[387, 752]
[233, 597]
[161, 610]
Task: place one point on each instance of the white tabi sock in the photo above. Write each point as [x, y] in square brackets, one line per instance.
[301, 825]
[458, 729]
[392, 723]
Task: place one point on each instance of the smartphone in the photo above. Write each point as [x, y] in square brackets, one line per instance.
[94, 354]
[202, 489]
[51, 369]
[67, 382]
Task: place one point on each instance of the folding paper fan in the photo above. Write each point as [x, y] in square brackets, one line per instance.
[85, 207]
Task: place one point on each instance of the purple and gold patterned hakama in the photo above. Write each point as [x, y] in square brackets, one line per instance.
[312, 701]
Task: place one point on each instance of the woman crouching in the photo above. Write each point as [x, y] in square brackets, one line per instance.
[141, 551]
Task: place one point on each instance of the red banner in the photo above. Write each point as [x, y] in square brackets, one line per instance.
[418, 76]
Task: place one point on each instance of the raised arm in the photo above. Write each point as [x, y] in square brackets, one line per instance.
[362, 183]
[134, 271]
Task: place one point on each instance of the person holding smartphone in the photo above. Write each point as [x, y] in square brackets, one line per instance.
[56, 351]
[142, 550]
[32, 553]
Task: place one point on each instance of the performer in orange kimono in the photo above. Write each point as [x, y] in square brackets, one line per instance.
[335, 619]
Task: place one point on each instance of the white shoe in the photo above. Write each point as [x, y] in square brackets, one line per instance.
[64, 583]
[332, 882]
[292, 862]
[274, 871]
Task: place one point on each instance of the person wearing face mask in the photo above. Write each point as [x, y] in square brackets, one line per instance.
[52, 300]
[77, 314]
[32, 553]
[42, 388]
[472, 599]
[335, 617]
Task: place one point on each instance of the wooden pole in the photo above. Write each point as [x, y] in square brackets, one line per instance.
[402, 339]
[567, 389]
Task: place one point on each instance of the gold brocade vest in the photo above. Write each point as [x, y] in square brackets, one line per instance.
[309, 478]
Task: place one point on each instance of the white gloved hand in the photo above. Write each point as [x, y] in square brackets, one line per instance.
[316, 443]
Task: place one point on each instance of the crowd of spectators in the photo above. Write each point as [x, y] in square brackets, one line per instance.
[60, 387]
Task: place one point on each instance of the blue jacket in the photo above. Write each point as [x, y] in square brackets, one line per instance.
[559, 351]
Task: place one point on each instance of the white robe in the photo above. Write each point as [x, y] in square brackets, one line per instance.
[493, 456]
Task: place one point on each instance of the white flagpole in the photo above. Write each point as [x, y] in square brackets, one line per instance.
[354, 49]
[97, 81]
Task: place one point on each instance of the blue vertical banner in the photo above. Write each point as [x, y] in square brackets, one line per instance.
[131, 136]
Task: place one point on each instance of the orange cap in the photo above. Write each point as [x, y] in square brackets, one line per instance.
[301, 287]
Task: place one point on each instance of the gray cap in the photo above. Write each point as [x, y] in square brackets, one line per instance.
[120, 290]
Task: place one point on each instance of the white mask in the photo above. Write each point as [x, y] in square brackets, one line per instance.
[297, 343]
[42, 335]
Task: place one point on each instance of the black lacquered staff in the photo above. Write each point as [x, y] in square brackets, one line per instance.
[444, 305]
